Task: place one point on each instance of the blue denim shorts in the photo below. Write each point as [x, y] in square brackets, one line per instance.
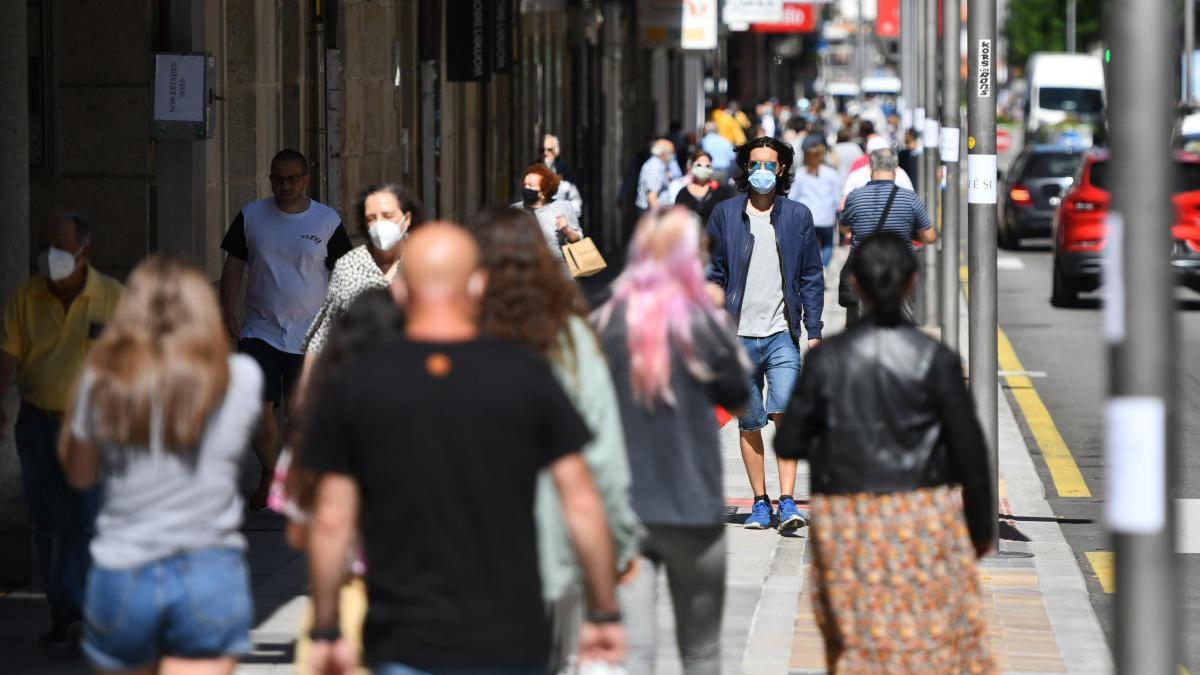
[776, 360]
[190, 605]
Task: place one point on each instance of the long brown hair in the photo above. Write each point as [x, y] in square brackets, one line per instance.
[529, 297]
[164, 355]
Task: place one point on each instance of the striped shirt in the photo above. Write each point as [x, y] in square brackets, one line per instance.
[865, 205]
[652, 178]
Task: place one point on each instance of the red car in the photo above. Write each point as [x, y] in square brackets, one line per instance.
[1080, 231]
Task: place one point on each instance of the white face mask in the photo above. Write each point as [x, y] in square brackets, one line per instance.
[385, 234]
[56, 264]
[702, 172]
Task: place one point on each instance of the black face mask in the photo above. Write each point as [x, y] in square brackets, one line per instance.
[530, 196]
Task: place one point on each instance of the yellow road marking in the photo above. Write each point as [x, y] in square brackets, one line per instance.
[1068, 480]
[1102, 565]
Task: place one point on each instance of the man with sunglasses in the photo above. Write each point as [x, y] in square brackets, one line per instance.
[285, 246]
[767, 259]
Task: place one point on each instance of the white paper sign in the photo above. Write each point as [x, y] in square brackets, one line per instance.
[950, 145]
[179, 94]
[699, 25]
[918, 118]
[1114, 280]
[906, 118]
[983, 80]
[753, 11]
[1135, 451]
[930, 133]
[981, 179]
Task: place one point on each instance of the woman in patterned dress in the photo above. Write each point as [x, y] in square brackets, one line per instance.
[887, 426]
[386, 212]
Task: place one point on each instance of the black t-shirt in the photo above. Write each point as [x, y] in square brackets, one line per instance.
[703, 206]
[234, 242]
[445, 441]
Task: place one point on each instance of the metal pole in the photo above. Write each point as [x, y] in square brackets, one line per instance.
[860, 42]
[1189, 47]
[949, 154]
[1071, 13]
[932, 56]
[981, 213]
[1140, 452]
[907, 38]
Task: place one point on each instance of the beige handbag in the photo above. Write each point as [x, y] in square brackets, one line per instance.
[583, 258]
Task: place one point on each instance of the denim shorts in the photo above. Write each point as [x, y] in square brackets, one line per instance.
[776, 359]
[191, 605]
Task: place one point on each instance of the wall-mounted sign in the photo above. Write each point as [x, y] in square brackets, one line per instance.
[181, 95]
[796, 17]
[468, 44]
[887, 18]
[753, 11]
[502, 37]
[699, 30]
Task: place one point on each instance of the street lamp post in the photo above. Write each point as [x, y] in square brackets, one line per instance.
[949, 153]
[981, 214]
[1140, 434]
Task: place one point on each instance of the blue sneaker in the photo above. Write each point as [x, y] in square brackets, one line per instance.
[790, 517]
[760, 515]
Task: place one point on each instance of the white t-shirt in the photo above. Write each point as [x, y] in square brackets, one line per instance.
[862, 175]
[288, 259]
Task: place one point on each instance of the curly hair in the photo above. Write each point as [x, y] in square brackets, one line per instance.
[529, 299]
[550, 180]
[786, 157]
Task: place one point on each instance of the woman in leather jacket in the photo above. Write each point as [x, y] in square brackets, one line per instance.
[887, 426]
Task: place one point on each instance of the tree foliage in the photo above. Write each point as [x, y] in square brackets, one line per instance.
[1041, 26]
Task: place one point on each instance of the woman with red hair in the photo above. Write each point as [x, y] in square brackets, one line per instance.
[557, 219]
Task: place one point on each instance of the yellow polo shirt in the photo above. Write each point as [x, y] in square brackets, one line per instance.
[51, 342]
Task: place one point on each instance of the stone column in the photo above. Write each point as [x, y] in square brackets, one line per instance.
[14, 267]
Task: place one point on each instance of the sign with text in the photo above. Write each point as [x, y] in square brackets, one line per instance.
[797, 17]
[887, 18]
[753, 11]
[983, 77]
[981, 179]
[468, 54]
[699, 29]
[502, 37]
[179, 91]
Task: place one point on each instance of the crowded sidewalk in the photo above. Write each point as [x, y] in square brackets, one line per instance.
[1038, 612]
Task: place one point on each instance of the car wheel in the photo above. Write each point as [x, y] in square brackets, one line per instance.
[1063, 292]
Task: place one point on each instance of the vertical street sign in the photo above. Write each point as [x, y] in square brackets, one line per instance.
[1140, 452]
[468, 44]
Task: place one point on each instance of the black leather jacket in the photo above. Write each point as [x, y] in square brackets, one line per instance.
[883, 408]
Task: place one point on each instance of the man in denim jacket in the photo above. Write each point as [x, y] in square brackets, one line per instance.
[766, 257]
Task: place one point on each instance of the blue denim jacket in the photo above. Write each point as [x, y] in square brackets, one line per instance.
[799, 257]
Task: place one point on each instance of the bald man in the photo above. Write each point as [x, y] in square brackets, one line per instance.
[443, 434]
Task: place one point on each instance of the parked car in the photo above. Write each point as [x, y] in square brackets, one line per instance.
[1032, 189]
[1080, 230]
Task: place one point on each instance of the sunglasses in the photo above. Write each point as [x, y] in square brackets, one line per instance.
[294, 179]
[769, 166]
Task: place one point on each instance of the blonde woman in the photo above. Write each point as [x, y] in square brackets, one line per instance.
[161, 417]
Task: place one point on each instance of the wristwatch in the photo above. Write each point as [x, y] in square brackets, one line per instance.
[325, 634]
[603, 617]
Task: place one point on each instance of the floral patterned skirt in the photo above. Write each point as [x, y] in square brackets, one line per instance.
[895, 589]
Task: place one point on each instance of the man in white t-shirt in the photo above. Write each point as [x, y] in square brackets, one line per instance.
[286, 246]
[860, 174]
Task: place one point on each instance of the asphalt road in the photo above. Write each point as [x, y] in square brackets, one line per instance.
[1066, 345]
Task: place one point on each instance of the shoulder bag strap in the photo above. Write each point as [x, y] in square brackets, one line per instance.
[887, 208]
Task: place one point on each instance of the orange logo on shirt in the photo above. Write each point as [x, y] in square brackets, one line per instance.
[438, 365]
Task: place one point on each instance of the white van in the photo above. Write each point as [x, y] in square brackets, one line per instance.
[1064, 87]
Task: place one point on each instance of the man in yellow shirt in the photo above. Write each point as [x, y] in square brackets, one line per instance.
[49, 324]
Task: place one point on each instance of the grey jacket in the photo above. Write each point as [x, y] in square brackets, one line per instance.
[589, 385]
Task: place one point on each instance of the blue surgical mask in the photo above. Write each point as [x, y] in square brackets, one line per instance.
[762, 181]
